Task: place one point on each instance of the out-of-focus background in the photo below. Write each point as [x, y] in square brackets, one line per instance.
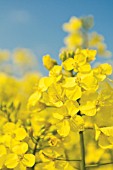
[37, 25]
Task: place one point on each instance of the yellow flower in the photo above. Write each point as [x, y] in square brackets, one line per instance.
[24, 57]
[89, 54]
[43, 85]
[55, 95]
[73, 25]
[102, 71]
[19, 148]
[68, 118]
[87, 81]
[74, 93]
[56, 73]
[104, 136]
[88, 104]
[13, 160]
[28, 160]
[78, 64]
[92, 102]
[19, 133]
[73, 40]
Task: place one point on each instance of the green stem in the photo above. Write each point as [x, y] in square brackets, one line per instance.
[99, 164]
[111, 153]
[82, 150]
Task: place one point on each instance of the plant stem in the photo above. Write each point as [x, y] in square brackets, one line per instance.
[82, 150]
[98, 164]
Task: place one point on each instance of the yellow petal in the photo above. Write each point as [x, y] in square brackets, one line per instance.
[85, 68]
[64, 128]
[20, 166]
[20, 133]
[28, 160]
[20, 148]
[90, 54]
[9, 128]
[89, 83]
[58, 116]
[34, 98]
[55, 95]
[74, 93]
[72, 107]
[88, 109]
[12, 160]
[77, 123]
[80, 59]
[2, 161]
[97, 132]
[108, 131]
[50, 165]
[44, 83]
[55, 71]
[68, 64]
[3, 150]
[69, 82]
[104, 142]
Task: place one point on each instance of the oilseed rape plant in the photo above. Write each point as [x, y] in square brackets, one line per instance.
[71, 101]
[63, 121]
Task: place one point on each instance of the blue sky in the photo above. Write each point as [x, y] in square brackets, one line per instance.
[37, 24]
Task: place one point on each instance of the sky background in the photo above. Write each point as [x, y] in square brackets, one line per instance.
[37, 24]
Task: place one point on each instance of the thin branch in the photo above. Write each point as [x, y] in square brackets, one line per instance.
[98, 164]
[60, 159]
[70, 160]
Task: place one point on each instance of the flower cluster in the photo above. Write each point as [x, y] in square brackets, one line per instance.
[79, 36]
[74, 98]
[14, 135]
[44, 121]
